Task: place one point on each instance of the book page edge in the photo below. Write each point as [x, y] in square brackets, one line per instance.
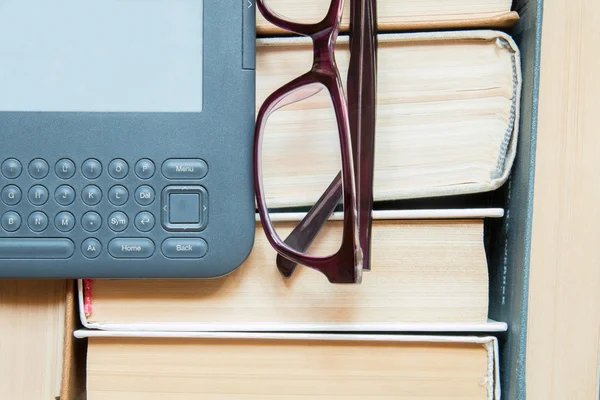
[507, 156]
[458, 213]
[499, 20]
[489, 343]
[489, 326]
[347, 337]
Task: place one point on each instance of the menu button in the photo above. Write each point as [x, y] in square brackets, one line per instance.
[193, 168]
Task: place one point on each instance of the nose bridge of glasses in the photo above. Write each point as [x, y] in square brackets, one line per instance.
[324, 56]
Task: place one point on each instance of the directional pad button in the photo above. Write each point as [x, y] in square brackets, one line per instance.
[184, 208]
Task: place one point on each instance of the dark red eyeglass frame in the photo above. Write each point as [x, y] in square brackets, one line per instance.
[356, 129]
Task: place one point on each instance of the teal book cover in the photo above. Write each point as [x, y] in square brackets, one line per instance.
[509, 278]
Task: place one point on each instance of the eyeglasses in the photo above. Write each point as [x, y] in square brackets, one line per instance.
[355, 117]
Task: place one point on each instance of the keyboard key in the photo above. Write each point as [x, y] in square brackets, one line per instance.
[131, 248]
[10, 221]
[64, 221]
[145, 169]
[118, 221]
[91, 195]
[38, 195]
[144, 195]
[184, 169]
[118, 195]
[184, 208]
[91, 168]
[145, 221]
[11, 168]
[184, 248]
[35, 249]
[64, 195]
[37, 221]
[65, 169]
[91, 221]
[38, 169]
[118, 168]
[11, 195]
[91, 248]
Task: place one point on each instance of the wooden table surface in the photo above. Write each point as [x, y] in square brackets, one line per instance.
[564, 310]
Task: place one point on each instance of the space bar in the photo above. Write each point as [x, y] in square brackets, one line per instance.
[35, 249]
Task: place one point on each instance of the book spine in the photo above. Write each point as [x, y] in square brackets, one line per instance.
[87, 297]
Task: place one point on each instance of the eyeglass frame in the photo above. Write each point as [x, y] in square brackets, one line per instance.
[356, 144]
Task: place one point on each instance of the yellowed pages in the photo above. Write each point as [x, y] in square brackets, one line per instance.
[447, 109]
[185, 369]
[32, 329]
[423, 271]
[401, 14]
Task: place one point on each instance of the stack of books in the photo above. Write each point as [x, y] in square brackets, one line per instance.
[420, 324]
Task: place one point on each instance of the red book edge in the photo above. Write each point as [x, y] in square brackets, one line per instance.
[87, 297]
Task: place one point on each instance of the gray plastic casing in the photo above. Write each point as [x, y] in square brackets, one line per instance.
[221, 135]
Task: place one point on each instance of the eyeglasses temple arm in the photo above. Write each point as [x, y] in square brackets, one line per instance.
[362, 90]
[303, 235]
[361, 85]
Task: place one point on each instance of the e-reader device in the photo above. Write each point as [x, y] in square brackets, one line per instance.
[126, 132]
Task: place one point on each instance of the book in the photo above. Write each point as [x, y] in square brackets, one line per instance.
[40, 358]
[290, 366]
[401, 15]
[427, 274]
[447, 117]
[509, 256]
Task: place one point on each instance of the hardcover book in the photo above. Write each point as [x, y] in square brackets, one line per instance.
[447, 120]
[122, 366]
[403, 15]
[40, 357]
[430, 273]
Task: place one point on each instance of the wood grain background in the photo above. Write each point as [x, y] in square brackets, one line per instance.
[564, 313]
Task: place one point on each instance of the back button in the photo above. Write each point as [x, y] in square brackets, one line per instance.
[184, 248]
